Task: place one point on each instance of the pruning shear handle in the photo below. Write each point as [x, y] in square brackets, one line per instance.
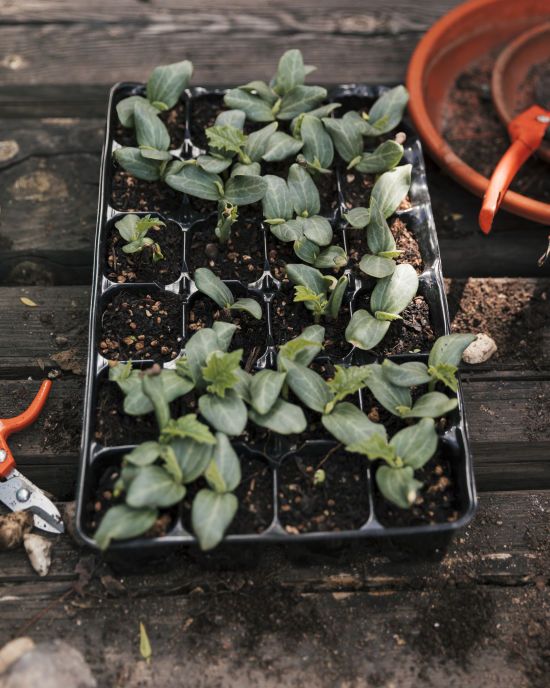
[526, 132]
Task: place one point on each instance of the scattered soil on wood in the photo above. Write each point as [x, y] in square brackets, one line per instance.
[289, 319]
[138, 326]
[251, 334]
[404, 238]
[129, 193]
[514, 312]
[437, 501]
[472, 127]
[241, 258]
[414, 333]
[124, 267]
[255, 495]
[62, 428]
[174, 119]
[339, 503]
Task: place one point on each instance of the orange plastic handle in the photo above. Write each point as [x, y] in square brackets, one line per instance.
[526, 131]
[10, 425]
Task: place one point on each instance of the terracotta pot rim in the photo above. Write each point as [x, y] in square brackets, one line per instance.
[475, 182]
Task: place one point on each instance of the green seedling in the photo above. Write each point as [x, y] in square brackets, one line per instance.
[133, 229]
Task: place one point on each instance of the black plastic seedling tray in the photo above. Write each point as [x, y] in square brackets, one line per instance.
[96, 458]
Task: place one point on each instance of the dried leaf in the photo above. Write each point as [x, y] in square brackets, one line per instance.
[144, 645]
[28, 302]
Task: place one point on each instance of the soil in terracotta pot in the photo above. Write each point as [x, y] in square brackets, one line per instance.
[289, 319]
[404, 239]
[251, 334]
[130, 193]
[104, 499]
[139, 267]
[326, 184]
[141, 326]
[339, 503]
[357, 187]
[255, 495]
[174, 119]
[241, 258]
[437, 501]
[471, 125]
[413, 333]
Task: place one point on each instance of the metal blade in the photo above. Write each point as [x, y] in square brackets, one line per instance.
[19, 493]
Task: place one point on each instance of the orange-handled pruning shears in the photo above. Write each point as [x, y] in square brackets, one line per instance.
[16, 491]
[527, 132]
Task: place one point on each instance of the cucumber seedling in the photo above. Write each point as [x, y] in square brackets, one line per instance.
[133, 229]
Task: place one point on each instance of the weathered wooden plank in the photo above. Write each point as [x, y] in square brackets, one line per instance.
[66, 100]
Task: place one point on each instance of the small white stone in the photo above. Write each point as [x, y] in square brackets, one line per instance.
[38, 550]
[480, 350]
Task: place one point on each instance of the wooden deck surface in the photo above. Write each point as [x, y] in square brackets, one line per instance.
[346, 618]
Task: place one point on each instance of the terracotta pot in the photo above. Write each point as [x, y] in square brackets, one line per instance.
[511, 70]
[465, 34]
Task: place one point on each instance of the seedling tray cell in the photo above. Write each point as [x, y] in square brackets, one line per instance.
[277, 456]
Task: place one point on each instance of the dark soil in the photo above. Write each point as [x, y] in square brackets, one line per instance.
[338, 504]
[414, 333]
[289, 319]
[174, 120]
[114, 427]
[437, 501]
[103, 500]
[242, 258]
[129, 193]
[203, 113]
[357, 187]
[255, 495]
[138, 326]
[404, 238]
[251, 335]
[472, 127]
[139, 267]
[278, 255]
[202, 209]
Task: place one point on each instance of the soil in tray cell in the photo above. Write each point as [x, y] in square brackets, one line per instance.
[130, 193]
[241, 258]
[326, 184]
[413, 333]
[203, 113]
[139, 267]
[404, 239]
[255, 495]
[141, 326]
[174, 119]
[289, 319]
[437, 501]
[251, 334]
[337, 504]
[103, 499]
[357, 187]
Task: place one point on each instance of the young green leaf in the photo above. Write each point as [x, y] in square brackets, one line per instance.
[291, 230]
[265, 388]
[306, 250]
[258, 141]
[226, 137]
[332, 257]
[226, 414]
[307, 276]
[380, 240]
[154, 487]
[347, 380]
[387, 111]
[121, 522]
[125, 109]
[250, 306]
[188, 426]
[213, 165]
[144, 454]
[391, 188]
[193, 457]
[257, 110]
[290, 72]
[365, 331]
[197, 182]
[224, 332]
[277, 202]
[230, 118]
[167, 83]
[144, 645]
[308, 386]
[430, 405]
[261, 89]
[302, 349]
[300, 99]
[449, 349]
[211, 515]
[227, 465]
[416, 444]
[398, 485]
[283, 418]
[303, 192]
[374, 447]
[244, 189]
[318, 230]
[346, 136]
[392, 398]
[385, 157]
[318, 149]
[132, 161]
[358, 218]
[153, 388]
[376, 266]
[393, 294]
[252, 169]
[408, 374]
[220, 371]
[197, 350]
[281, 146]
[210, 284]
[336, 297]
[151, 131]
[350, 425]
